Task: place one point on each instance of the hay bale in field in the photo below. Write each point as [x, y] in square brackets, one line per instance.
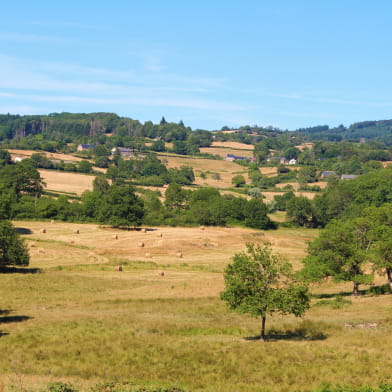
[76, 231]
[160, 235]
[141, 244]
[43, 231]
[144, 230]
[147, 255]
[40, 250]
[179, 255]
[202, 228]
[118, 268]
[52, 222]
[115, 236]
[72, 242]
[161, 273]
[32, 244]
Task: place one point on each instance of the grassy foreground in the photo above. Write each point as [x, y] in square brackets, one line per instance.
[77, 320]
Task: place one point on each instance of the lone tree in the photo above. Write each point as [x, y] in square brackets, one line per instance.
[261, 283]
[342, 252]
[13, 251]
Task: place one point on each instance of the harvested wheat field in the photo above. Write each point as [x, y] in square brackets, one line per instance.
[223, 151]
[226, 170]
[75, 316]
[234, 145]
[50, 155]
[67, 182]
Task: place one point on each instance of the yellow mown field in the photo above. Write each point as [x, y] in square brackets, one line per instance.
[80, 321]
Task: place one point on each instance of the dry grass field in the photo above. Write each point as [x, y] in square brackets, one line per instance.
[66, 182]
[234, 145]
[223, 151]
[50, 155]
[80, 321]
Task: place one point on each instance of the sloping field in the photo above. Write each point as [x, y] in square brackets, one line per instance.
[233, 145]
[80, 321]
[225, 169]
[223, 151]
[67, 182]
[50, 155]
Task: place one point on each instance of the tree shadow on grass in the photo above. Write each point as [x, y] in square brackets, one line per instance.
[333, 295]
[13, 319]
[5, 318]
[23, 230]
[302, 333]
[19, 270]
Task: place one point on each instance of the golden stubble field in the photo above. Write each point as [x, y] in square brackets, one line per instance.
[78, 320]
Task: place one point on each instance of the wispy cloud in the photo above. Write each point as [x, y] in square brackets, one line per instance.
[53, 82]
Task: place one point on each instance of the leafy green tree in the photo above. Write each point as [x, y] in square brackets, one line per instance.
[381, 237]
[84, 166]
[158, 146]
[180, 147]
[13, 251]
[238, 181]
[22, 178]
[341, 251]
[176, 197]
[300, 211]
[100, 184]
[121, 207]
[5, 158]
[261, 152]
[291, 153]
[260, 283]
[307, 174]
[256, 215]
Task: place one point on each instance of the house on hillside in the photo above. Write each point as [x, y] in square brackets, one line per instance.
[124, 152]
[292, 161]
[326, 173]
[281, 160]
[85, 147]
[348, 176]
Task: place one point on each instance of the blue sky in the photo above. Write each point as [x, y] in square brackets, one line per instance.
[209, 63]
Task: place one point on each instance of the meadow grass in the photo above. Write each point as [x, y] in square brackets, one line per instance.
[86, 323]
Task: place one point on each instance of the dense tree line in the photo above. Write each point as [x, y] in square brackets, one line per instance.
[22, 196]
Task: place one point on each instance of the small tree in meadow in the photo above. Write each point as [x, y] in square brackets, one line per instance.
[261, 283]
[13, 250]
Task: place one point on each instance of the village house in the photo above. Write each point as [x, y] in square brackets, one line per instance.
[326, 173]
[85, 147]
[124, 152]
[348, 176]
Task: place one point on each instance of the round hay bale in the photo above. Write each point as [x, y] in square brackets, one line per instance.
[179, 255]
[32, 245]
[118, 268]
[161, 273]
[40, 250]
[72, 242]
[115, 236]
[141, 244]
[43, 231]
[147, 255]
[76, 231]
[160, 235]
[202, 228]
[52, 222]
[144, 230]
